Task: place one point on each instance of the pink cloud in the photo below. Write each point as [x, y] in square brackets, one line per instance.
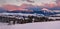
[14, 7]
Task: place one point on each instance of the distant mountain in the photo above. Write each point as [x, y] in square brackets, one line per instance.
[2, 10]
[37, 12]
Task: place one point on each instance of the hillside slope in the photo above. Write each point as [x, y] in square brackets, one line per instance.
[38, 25]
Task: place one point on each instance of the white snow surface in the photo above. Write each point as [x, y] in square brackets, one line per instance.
[37, 25]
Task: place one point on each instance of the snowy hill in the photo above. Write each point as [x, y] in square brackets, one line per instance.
[38, 25]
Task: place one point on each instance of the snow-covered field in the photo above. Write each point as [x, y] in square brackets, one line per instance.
[37, 25]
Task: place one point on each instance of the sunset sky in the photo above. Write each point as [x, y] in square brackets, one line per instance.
[19, 2]
[30, 4]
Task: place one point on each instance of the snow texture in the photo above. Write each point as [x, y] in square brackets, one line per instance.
[37, 25]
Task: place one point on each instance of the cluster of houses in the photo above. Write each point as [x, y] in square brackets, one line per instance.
[25, 19]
